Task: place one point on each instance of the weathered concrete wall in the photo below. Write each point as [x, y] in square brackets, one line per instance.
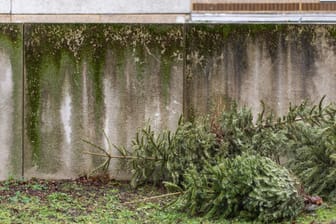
[5, 6]
[86, 79]
[10, 101]
[274, 63]
[81, 80]
[98, 6]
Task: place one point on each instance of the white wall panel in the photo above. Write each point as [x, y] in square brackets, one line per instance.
[99, 6]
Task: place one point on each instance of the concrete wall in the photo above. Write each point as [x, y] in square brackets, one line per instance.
[5, 6]
[275, 64]
[93, 7]
[10, 101]
[81, 80]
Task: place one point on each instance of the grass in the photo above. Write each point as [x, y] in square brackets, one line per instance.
[99, 201]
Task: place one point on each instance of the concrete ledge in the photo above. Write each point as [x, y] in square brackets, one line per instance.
[173, 18]
[5, 19]
[126, 18]
[99, 6]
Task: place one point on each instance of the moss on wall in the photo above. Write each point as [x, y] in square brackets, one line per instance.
[90, 42]
[208, 44]
[166, 70]
[208, 38]
[144, 44]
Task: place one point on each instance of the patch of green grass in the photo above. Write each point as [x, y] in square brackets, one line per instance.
[71, 202]
[325, 214]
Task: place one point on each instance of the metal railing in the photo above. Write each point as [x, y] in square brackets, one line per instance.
[264, 5]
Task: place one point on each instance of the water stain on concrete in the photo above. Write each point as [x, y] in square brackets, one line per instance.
[6, 114]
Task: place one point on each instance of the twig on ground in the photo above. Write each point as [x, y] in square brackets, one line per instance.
[152, 198]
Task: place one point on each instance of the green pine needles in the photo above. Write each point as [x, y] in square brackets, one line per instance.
[312, 158]
[233, 165]
[249, 186]
[190, 145]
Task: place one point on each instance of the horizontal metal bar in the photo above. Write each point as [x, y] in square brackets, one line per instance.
[263, 18]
